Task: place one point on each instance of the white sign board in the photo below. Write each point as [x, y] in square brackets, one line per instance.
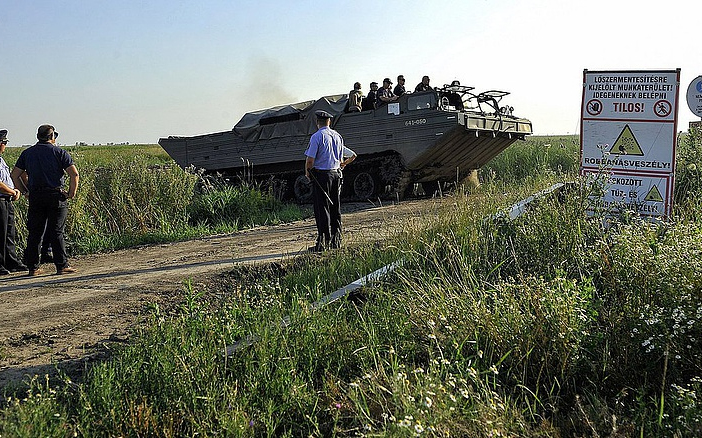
[647, 195]
[628, 130]
[694, 96]
[631, 146]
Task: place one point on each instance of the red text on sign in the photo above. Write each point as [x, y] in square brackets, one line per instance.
[630, 107]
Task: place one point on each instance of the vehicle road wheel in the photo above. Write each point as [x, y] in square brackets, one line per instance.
[430, 188]
[364, 186]
[303, 189]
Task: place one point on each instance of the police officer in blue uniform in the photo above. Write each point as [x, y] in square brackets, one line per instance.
[43, 166]
[326, 156]
[9, 262]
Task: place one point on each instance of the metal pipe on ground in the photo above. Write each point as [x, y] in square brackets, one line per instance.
[512, 213]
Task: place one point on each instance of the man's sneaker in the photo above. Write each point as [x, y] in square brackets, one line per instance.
[66, 270]
[4, 271]
[35, 272]
[19, 268]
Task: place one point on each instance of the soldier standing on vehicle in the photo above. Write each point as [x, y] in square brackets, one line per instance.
[325, 159]
[355, 98]
[424, 85]
[44, 165]
[385, 95]
[370, 102]
[400, 87]
[9, 261]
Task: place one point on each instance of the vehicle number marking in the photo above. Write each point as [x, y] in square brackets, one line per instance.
[415, 122]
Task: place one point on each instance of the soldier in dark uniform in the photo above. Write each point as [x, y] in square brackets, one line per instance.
[324, 161]
[424, 85]
[385, 95]
[400, 87]
[370, 102]
[44, 165]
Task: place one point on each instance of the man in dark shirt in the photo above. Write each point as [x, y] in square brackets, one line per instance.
[400, 87]
[44, 165]
[424, 85]
[371, 100]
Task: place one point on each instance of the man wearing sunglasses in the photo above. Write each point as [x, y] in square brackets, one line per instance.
[8, 233]
[44, 165]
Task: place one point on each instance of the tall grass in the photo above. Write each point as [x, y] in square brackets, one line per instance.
[539, 157]
[688, 174]
[547, 325]
[131, 195]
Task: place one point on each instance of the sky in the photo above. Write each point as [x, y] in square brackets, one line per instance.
[105, 71]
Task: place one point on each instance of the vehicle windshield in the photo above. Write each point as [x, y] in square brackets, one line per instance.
[421, 101]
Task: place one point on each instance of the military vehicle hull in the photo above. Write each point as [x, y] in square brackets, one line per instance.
[422, 139]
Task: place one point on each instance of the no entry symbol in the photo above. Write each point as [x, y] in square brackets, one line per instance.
[594, 107]
[662, 108]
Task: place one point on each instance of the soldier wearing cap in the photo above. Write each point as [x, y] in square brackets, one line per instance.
[385, 95]
[326, 156]
[9, 262]
[38, 174]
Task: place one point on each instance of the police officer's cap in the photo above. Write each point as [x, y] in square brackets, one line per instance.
[387, 80]
[3, 134]
[45, 131]
[373, 83]
[323, 114]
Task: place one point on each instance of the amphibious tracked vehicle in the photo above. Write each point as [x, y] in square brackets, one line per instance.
[422, 140]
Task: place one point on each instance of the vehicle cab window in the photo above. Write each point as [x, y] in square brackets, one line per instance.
[418, 101]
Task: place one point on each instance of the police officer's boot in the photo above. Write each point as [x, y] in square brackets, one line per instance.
[335, 242]
[319, 245]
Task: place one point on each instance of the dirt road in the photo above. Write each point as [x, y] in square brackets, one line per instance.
[67, 320]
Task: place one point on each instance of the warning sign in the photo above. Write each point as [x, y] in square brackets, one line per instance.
[630, 95]
[626, 143]
[645, 195]
[628, 134]
[654, 195]
[629, 146]
[594, 107]
[662, 108]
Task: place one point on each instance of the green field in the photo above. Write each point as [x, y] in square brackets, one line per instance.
[545, 326]
[135, 194]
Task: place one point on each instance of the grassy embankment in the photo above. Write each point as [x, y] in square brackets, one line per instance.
[131, 195]
[547, 325]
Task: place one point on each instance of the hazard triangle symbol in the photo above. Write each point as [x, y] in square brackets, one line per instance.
[626, 144]
[654, 195]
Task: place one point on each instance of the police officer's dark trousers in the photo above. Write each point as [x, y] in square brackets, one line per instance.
[327, 215]
[47, 209]
[8, 234]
